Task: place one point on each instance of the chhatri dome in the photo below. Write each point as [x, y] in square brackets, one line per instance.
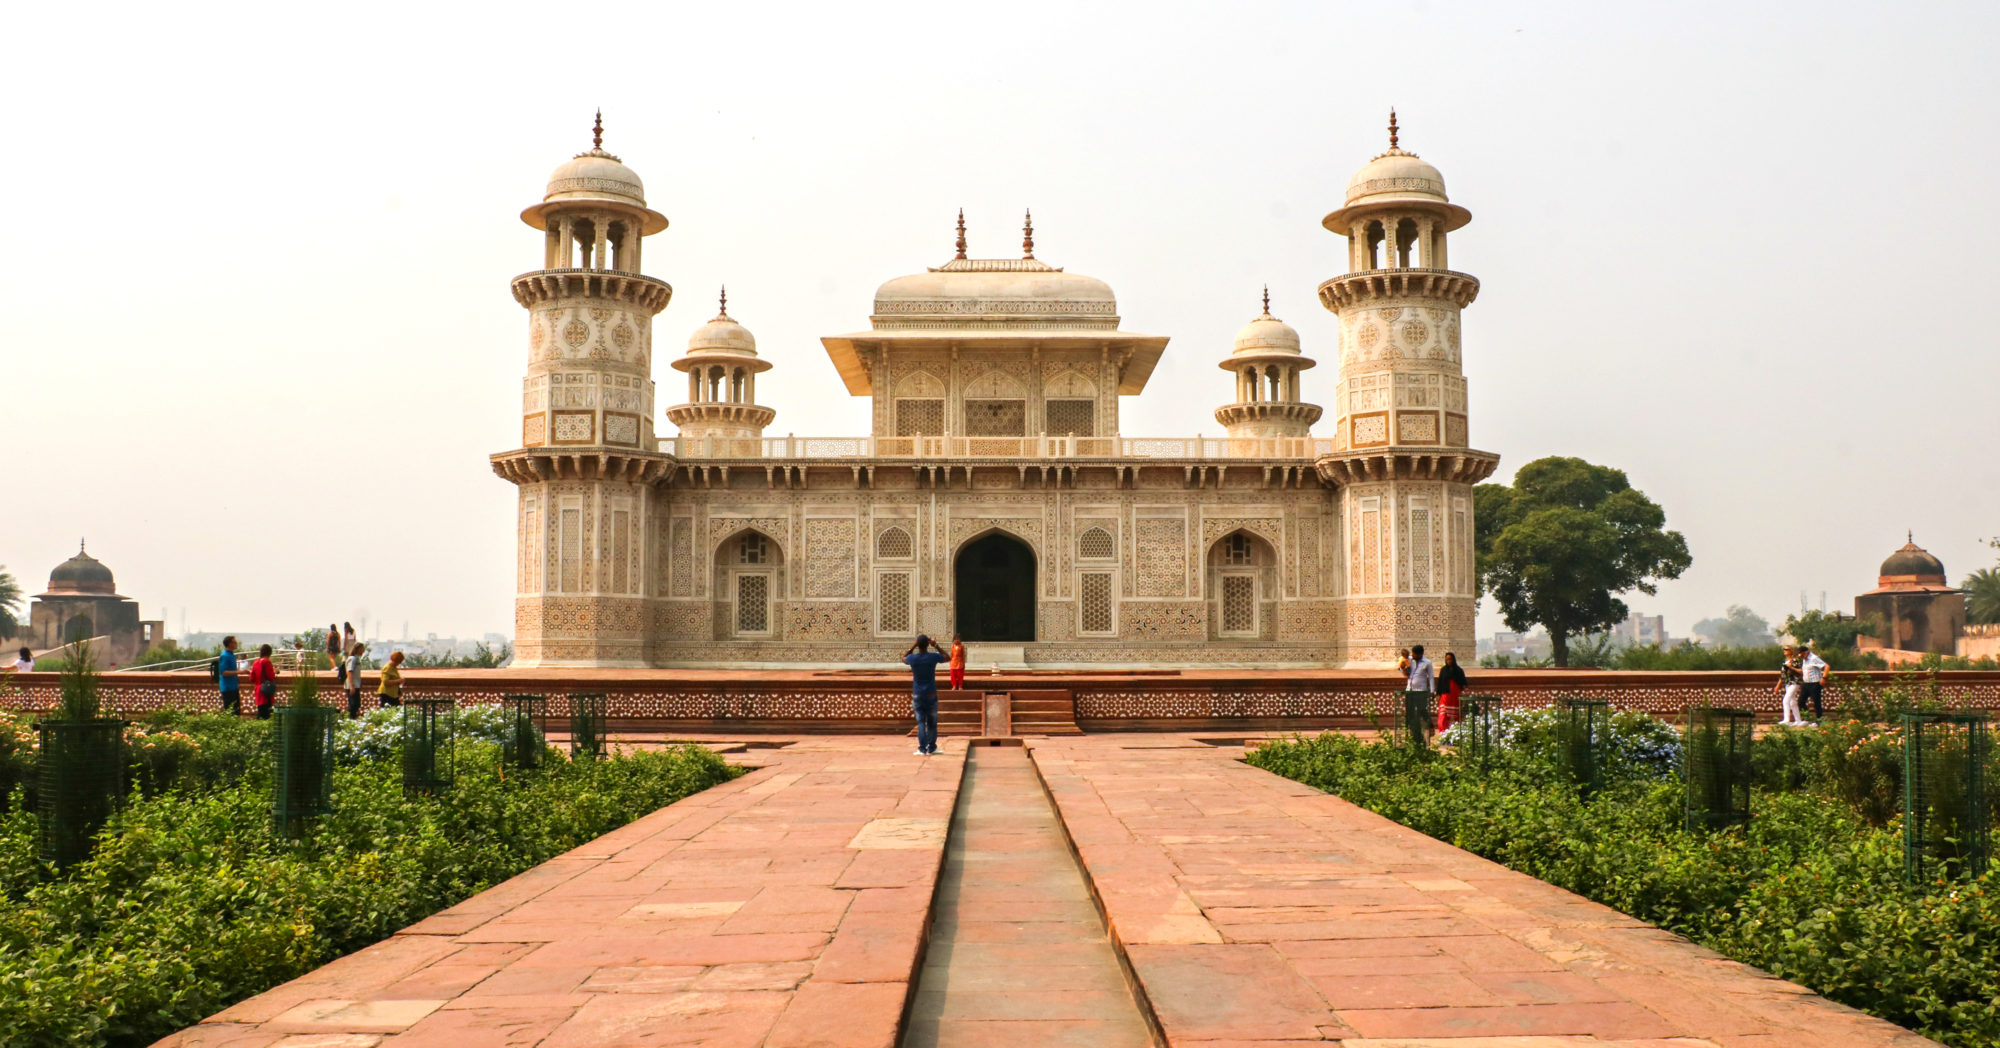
[1396, 177]
[722, 335]
[595, 177]
[82, 573]
[1266, 361]
[1912, 564]
[1265, 334]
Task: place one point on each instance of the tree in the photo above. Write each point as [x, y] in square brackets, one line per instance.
[1557, 546]
[1982, 595]
[10, 604]
[1829, 631]
[1739, 627]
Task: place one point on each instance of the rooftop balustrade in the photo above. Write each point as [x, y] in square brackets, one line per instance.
[960, 447]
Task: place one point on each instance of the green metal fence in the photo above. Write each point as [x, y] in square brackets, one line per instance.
[301, 766]
[427, 745]
[586, 725]
[1419, 717]
[1715, 767]
[80, 779]
[1946, 821]
[527, 729]
[1476, 727]
[1581, 726]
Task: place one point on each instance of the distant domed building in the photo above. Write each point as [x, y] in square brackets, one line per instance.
[994, 494]
[82, 603]
[1921, 611]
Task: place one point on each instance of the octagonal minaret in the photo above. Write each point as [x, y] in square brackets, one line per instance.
[1401, 456]
[722, 366]
[588, 457]
[1266, 362]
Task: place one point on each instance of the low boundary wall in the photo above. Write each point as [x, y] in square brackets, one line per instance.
[797, 702]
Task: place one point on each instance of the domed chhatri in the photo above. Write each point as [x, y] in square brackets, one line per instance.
[82, 573]
[1266, 361]
[722, 366]
[1397, 178]
[596, 177]
[1912, 563]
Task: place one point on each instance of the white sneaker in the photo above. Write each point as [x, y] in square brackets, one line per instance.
[920, 753]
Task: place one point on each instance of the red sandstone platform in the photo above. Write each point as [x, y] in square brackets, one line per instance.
[788, 910]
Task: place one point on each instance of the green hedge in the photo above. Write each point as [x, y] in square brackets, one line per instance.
[1810, 891]
[190, 903]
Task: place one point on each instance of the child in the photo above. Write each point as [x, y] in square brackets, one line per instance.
[353, 665]
[957, 662]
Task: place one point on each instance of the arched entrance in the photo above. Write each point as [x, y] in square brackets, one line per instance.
[994, 579]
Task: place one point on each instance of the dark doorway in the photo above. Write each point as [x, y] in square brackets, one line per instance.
[995, 577]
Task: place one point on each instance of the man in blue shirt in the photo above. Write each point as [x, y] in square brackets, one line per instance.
[923, 663]
[229, 677]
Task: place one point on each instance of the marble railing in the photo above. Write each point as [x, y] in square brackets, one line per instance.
[961, 447]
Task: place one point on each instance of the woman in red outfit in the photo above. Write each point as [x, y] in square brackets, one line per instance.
[1450, 684]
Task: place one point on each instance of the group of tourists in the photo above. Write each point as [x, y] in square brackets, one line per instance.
[1447, 682]
[342, 651]
[1802, 678]
[923, 658]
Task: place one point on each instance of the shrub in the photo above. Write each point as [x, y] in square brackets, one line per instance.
[190, 904]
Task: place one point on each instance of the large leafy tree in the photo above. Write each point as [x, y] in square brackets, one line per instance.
[10, 604]
[1982, 595]
[1557, 547]
[1826, 630]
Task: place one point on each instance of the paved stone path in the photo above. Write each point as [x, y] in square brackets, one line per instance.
[785, 909]
[1257, 911]
[788, 909]
[1018, 955]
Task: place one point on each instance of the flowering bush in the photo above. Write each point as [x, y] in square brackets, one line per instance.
[379, 734]
[157, 758]
[1636, 742]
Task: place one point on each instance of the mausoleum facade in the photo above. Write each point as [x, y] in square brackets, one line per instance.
[995, 495]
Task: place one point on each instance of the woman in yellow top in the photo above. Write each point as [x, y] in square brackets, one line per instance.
[957, 662]
[389, 692]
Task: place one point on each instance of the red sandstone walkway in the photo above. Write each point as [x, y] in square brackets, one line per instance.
[788, 909]
[1257, 911]
[784, 910]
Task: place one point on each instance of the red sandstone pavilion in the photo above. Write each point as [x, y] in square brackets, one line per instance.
[995, 495]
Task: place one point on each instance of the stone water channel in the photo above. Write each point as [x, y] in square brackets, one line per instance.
[1018, 954]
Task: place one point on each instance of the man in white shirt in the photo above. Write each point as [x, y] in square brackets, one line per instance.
[1814, 668]
[1423, 678]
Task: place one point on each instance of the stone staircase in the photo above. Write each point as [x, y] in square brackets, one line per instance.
[1049, 711]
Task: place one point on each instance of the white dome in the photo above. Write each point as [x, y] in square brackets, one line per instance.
[1267, 334]
[1023, 288]
[723, 335]
[1396, 175]
[596, 175]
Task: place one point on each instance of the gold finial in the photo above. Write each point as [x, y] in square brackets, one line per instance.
[597, 132]
[1028, 235]
[722, 308]
[961, 234]
[1392, 127]
[1267, 300]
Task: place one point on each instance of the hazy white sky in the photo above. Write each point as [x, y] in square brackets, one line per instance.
[260, 342]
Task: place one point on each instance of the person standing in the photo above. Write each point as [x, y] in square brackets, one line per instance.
[923, 663]
[229, 678]
[333, 648]
[26, 663]
[1450, 685]
[957, 663]
[1422, 678]
[264, 681]
[347, 636]
[1790, 678]
[1813, 673]
[389, 683]
[352, 666]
